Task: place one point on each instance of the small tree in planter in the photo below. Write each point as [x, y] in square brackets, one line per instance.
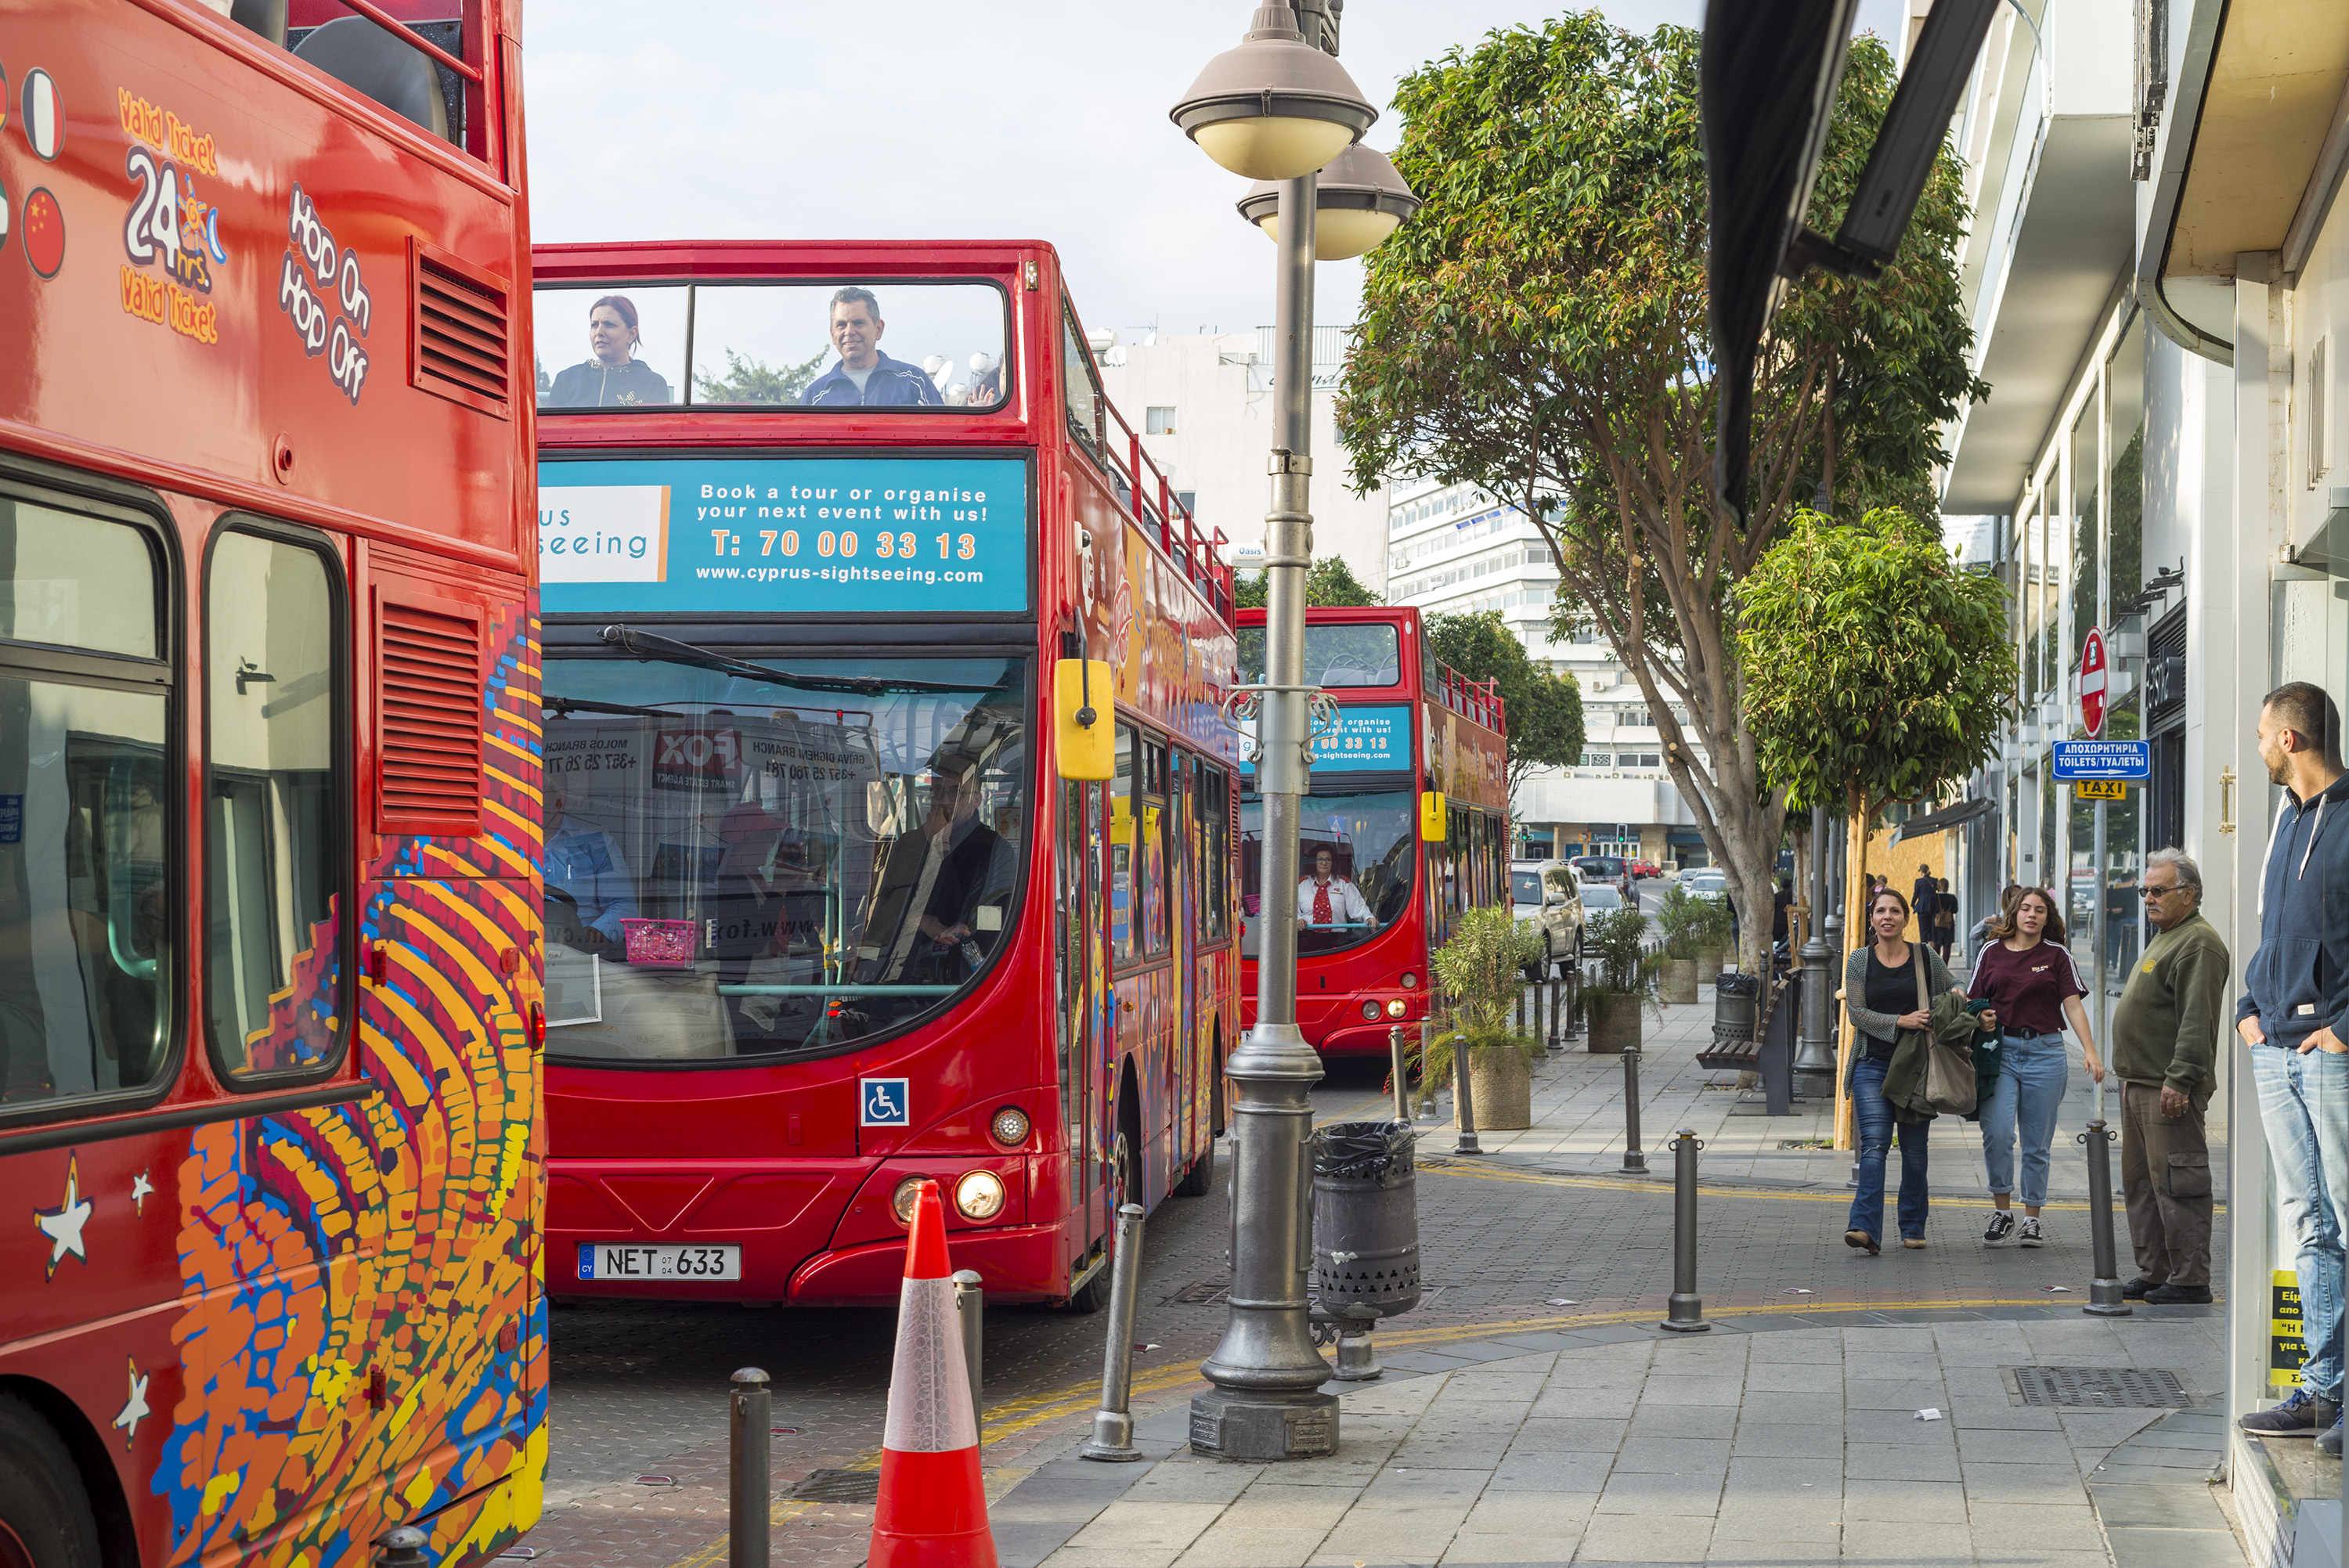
[1683, 918]
[1479, 966]
[1713, 936]
[1624, 976]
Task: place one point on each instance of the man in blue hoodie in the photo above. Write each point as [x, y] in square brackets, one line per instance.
[2294, 1016]
[862, 374]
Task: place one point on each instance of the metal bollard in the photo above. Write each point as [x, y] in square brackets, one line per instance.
[1426, 1083]
[1113, 1438]
[748, 1476]
[1568, 1029]
[1523, 988]
[400, 1548]
[1398, 1064]
[970, 1312]
[1684, 1313]
[1635, 1159]
[1463, 1097]
[2105, 1298]
[1357, 1362]
[1557, 1036]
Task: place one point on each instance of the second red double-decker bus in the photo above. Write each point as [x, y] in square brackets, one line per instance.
[1406, 823]
[843, 889]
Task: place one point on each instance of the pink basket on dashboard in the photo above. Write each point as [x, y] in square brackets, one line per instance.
[658, 943]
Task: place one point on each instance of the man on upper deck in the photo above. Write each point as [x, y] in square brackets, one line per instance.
[862, 374]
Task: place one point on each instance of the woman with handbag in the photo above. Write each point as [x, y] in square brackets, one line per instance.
[2034, 988]
[1887, 986]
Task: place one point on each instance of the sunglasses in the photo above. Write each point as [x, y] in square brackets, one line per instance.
[2160, 892]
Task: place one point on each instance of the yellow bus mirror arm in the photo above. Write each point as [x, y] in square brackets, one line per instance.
[1086, 745]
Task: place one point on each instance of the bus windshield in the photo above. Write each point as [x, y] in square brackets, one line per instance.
[1335, 656]
[1355, 858]
[894, 345]
[746, 867]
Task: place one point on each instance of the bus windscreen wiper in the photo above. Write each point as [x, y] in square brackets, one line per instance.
[653, 645]
[562, 707]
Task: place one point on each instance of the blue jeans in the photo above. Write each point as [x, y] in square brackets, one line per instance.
[1872, 1113]
[2304, 1109]
[2032, 1069]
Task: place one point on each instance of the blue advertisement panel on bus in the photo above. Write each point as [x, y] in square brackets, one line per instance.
[784, 535]
[1369, 737]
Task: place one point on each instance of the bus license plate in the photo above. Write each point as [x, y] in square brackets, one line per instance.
[625, 1260]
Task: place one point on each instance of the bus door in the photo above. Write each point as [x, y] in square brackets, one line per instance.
[1182, 918]
[1085, 1001]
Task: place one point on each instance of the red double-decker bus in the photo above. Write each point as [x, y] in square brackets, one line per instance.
[1406, 823]
[843, 888]
[269, 1284]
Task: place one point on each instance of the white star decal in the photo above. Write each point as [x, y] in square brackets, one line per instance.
[63, 1223]
[139, 1188]
[134, 1409]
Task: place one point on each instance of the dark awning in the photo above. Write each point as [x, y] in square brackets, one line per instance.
[1947, 817]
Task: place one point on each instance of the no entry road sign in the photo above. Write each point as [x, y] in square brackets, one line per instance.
[2092, 683]
[2104, 759]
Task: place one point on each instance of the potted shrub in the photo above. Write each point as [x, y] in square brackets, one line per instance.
[1479, 966]
[1682, 917]
[1713, 937]
[1623, 976]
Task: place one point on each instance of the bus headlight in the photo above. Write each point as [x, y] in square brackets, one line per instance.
[1371, 1010]
[979, 1195]
[1395, 1009]
[902, 1200]
[1009, 1126]
[1410, 981]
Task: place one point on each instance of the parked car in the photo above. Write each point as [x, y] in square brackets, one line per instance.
[1598, 898]
[1547, 896]
[1606, 870]
[1706, 881]
[1646, 869]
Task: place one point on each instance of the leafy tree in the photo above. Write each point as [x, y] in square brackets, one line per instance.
[1545, 710]
[1328, 582]
[1540, 329]
[749, 380]
[1876, 669]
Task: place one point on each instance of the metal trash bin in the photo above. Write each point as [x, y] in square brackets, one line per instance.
[1365, 1220]
[1736, 1008]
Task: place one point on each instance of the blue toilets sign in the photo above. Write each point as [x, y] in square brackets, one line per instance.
[2104, 759]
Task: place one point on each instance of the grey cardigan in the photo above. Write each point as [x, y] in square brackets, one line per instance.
[1880, 1026]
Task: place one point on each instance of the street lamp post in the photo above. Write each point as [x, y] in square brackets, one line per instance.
[1815, 1055]
[1276, 109]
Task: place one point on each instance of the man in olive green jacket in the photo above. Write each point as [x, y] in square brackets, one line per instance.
[2165, 1037]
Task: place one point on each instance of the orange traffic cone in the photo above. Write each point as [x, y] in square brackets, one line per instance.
[932, 1507]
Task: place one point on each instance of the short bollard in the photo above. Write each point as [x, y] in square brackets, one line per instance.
[1113, 1438]
[747, 1478]
[400, 1548]
[1557, 1036]
[1463, 1097]
[1635, 1158]
[1426, 1083]
[1399, 1065]
[970, 1312]
[1357, 1361]
[1569, 993]
[1685, 1312]
[2105, 1297]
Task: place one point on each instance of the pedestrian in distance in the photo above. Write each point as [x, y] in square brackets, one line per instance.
[1945, 918]
[1924, 897]
[1879, 989]
[2034, 988]
[1981, 936]
[2292, 1015]
[2166, 1034]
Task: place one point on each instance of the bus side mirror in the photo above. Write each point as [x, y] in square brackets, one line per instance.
[1083, 733]
[1431, 816]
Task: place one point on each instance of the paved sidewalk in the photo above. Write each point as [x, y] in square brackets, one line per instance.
[1758, 1444]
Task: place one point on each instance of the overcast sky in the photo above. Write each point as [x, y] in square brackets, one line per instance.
[1043, 119]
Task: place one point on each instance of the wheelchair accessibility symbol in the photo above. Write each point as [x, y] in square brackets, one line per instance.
[884, 1102]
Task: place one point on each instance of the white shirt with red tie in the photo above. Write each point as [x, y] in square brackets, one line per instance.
[1334, 902]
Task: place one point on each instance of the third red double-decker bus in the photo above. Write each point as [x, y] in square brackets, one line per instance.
[843, 889]
[1406, 823]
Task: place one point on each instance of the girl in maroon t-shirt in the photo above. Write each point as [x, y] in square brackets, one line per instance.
[2028, 978]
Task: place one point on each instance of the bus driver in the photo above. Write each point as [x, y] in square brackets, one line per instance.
[1327, 899]
[863, 373]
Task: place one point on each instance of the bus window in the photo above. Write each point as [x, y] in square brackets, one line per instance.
[1123, 926]
[1152, 810]
[1080, 394]
[630, 342]
[740, 867]
[86, 901]
[1335, 656]
[1355, 858]
[272, 855]
[1215, 852]
[888, 345]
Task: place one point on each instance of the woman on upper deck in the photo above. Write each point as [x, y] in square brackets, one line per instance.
[614, 377]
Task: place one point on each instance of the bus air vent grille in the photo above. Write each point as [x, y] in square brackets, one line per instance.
[460, 317]
[429, 718]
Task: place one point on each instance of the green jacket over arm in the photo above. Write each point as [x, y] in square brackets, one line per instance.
[2166, 1027]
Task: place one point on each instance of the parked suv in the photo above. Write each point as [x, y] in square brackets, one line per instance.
[1608, 869]
[1548, 898]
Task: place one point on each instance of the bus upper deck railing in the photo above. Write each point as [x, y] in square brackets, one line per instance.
[1479, 700]
[1198, 555]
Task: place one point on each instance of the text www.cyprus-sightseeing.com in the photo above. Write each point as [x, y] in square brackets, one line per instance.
[835, 575]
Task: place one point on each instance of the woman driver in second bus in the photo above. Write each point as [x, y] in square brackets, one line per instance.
[614, 376]
[1325, 898]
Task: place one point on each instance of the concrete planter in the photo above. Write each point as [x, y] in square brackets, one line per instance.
[1504, 1086]
[1614, 1024]
[1708, 965]
[1678, 985]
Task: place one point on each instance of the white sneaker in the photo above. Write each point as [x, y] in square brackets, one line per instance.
[2001, 1226]
[2030, 1236]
